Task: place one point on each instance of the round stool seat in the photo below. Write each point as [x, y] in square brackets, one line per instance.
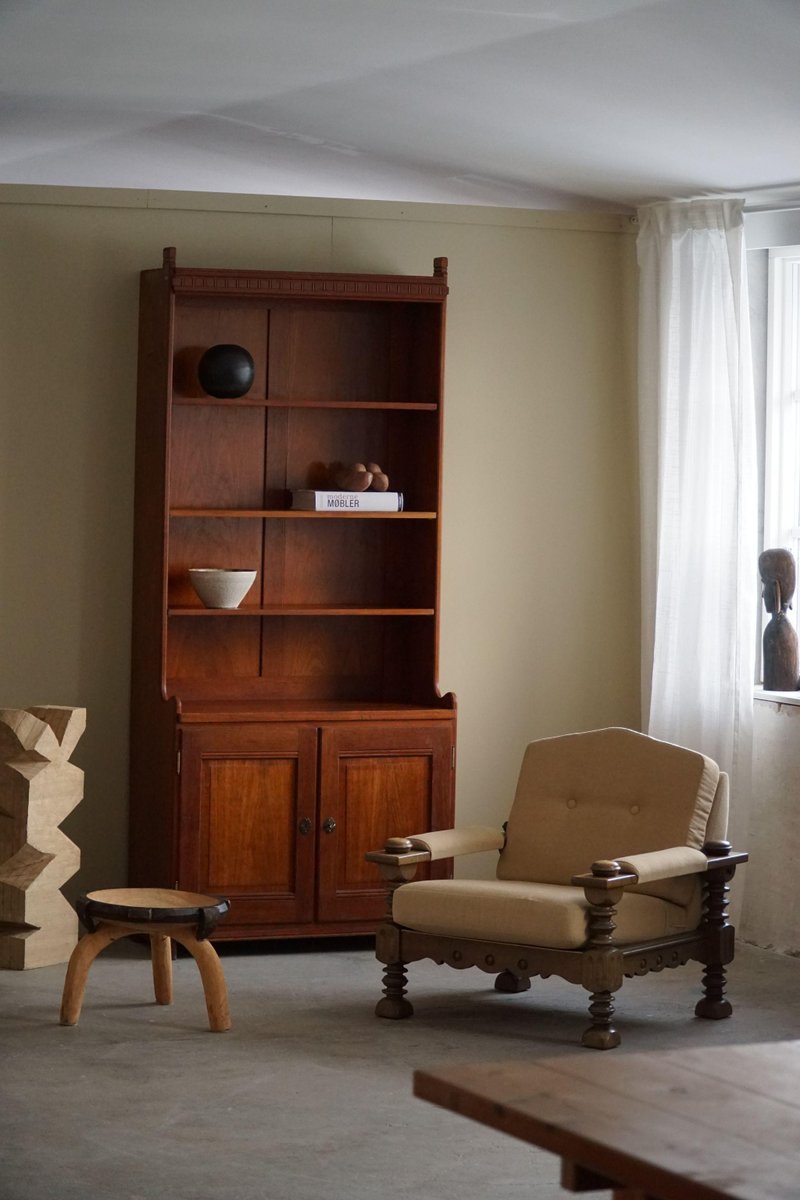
[153, 905]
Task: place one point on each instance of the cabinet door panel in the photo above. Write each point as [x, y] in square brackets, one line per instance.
[245, 790]
[249, 816]
[377, 781]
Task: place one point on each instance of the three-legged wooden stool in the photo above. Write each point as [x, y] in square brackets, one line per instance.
[161, 914]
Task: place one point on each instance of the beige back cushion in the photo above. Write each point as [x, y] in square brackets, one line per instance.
[605, 794]
[717, 828]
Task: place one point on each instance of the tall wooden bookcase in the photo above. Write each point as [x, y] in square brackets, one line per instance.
[274, 744]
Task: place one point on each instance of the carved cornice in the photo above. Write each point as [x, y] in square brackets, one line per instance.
[258, 285]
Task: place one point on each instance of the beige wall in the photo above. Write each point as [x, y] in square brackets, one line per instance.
[540, 623]
[771, 915]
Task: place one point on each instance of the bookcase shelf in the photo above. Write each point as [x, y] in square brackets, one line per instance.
[286, 402]
[295, 514]
[272, 745]
[301, 610]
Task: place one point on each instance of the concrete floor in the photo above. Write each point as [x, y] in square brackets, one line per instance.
[308, 1097]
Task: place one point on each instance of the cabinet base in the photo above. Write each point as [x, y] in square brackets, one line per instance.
[252, 933]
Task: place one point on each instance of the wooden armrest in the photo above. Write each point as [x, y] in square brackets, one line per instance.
[606, 874]
[722, 854]
[398, 852]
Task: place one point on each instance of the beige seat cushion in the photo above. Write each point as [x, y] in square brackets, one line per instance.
[529, 914]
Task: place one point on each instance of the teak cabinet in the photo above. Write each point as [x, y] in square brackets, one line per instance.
[272, 745]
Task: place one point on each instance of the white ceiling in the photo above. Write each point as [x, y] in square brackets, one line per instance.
[527, 103]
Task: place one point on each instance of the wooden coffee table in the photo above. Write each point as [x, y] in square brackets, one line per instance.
[709, 1124]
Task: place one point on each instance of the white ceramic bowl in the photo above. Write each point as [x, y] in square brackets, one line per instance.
[220, 587]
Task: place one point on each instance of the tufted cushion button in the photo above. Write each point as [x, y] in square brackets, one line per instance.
[634, 809]
[571, 802]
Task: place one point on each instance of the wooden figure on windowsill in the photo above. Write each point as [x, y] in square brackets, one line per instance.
[359, 477]
[778, 576]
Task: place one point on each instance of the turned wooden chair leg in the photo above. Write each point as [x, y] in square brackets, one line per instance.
[214, 987]
[161, 955]
[80, 960]
[601, 1034]
[510, 983]
[394, 1006]
[713, 1005]
[604, 966]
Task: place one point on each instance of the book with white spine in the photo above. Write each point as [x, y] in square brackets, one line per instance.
[338, 501]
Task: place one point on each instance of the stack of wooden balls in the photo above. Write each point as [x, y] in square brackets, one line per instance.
[360, 477]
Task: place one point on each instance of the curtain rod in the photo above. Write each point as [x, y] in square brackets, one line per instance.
[781, 197]
[790, 206]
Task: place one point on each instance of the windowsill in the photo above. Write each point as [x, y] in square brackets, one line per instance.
[777, 697]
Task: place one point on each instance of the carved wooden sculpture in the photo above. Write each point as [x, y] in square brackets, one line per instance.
[39, 787]
[778, 575]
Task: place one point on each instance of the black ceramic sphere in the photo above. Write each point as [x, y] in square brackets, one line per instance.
[226, 371]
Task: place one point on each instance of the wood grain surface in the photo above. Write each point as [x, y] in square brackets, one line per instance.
[701, 1124]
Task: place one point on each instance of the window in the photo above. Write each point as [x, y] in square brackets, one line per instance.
[782, 473]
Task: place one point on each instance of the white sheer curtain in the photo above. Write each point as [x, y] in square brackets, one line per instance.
[698, 472]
